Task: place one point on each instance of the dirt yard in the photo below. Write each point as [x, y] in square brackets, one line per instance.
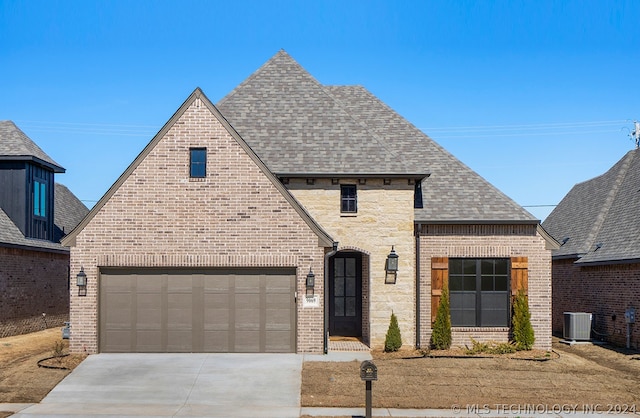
[587, 376]
[21, 379]
[584, 375]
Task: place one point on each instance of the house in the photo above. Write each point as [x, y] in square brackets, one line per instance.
[273, 221]
[597, 268]
[35, 212]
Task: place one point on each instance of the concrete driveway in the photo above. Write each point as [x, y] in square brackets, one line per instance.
[189, 385]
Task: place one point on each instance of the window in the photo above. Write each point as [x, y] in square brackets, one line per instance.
[348, 198]
[39, 198]
[417, 195]
[479, 292]
[198, 163]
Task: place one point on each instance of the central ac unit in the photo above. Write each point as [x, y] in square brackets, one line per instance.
[577, 326]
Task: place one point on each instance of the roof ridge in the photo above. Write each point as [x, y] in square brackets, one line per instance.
[256, 73]
[608, 203]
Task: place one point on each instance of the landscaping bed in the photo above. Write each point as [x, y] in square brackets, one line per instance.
[587, 376]
[21, 379]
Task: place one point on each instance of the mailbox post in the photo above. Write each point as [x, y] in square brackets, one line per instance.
[368, 373]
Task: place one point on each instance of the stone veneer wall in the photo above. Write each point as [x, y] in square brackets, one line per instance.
[32, 283]
[160, 217]
[477, 241]
[605, 291]
[385, 218]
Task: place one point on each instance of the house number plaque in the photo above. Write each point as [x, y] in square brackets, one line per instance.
[368, 371]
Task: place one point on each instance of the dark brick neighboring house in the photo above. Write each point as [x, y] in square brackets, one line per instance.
[35, 213]
[597, 268]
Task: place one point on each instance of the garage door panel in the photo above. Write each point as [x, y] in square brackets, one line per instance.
[119, 341]
[247, 284]
[179, 341]
[235, 310]
[216, 341]
[149, 341]
[247, 341]
[277, 341]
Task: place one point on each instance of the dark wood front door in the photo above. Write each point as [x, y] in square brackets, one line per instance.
[345, 295]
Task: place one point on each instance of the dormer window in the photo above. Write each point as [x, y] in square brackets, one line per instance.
[198, 163]
[39, 198]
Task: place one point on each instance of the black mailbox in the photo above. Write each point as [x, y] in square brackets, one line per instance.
[368, 371]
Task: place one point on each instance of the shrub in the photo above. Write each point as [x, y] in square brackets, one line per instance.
[523, 336]
[58, 349]
[441, 334]
[393, 340]
[490, 348]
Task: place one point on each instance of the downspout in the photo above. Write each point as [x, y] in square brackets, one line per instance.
[327, 256]
[417, 234]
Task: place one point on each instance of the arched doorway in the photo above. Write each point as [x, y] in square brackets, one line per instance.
[345, 294]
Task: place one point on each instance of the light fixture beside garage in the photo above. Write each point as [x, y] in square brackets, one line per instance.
[311, 281]
[81, 281]
[391, 267]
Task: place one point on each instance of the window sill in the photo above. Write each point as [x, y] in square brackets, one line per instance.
[348, 215]
[197, 179]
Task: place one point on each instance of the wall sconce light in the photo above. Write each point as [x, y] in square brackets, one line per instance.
[311, 281]
[391, 267]
[81, 281]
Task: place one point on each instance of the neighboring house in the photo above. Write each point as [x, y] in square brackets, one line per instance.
[597, 268]
[35, 212]
[213, 236]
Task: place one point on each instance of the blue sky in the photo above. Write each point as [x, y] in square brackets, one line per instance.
[535, 96]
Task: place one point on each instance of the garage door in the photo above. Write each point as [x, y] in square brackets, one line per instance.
[183, 311]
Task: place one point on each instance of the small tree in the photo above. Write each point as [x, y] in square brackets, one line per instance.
[523, 335]
[393, 341]
[441, 334]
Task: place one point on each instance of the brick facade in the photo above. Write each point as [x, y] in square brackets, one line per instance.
[495, 241]
[160, 217]
[32, 283]
[605, 291]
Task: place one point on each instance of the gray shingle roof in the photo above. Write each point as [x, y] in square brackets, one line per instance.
[15, 145]
[298, 126]
[69, 211]
[599, 217]
[11, 235]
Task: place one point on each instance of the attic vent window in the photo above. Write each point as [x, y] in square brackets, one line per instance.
[198, 163]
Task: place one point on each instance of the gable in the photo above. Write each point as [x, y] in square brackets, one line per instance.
[156, 201]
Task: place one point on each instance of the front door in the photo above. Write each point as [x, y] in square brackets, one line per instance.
[345, 295]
